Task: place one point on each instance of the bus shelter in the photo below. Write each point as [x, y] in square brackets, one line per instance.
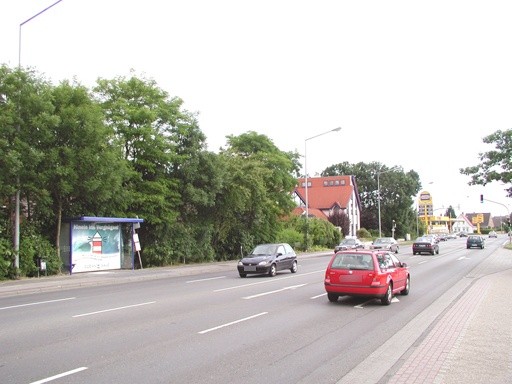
[91, 243]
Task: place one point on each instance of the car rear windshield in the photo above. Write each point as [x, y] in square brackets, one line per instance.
[352, 261]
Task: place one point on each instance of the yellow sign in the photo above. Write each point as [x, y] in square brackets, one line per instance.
[425, 198]
[478, 218]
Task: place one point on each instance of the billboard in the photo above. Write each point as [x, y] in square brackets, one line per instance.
[95, 246]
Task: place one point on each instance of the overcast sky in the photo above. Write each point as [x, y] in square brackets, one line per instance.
[416, 84]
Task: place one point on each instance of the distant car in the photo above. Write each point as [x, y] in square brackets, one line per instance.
[475, 241]
[425, 244]
[268, 259]
[443, 237]
[366, 273]
[349, 243]
[385, 244]
[493, 234]
[463, 234]
[451, 236]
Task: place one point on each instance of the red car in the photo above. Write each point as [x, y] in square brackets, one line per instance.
[378, 274]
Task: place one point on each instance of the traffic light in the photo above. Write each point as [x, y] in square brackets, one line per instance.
[481, 198]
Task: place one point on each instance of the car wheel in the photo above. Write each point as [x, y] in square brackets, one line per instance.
[433, 253]
[437, 251]
[242, 274]
[272, 271]
[332, 297]
[407, 288]
[386, 300]
[396, 250]
[294, 268]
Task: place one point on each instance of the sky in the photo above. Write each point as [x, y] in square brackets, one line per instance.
[414, 84]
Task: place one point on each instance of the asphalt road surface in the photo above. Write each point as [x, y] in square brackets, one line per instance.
[215, 327]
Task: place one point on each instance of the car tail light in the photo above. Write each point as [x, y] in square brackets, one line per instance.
[375, 282]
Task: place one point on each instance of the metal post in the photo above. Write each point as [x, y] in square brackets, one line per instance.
[378, 194]
[378, 201]
[17, 197]
[306, 177]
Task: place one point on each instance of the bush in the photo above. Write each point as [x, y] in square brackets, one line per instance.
[291, 236]
[363, 234]
[6, 260]
[33, 247]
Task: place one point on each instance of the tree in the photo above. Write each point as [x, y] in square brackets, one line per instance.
[255, 193]
[340, 219]
[83, 169]
[397, 191]
[495, 165]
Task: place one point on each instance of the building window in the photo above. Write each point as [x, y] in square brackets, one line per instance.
[325, 183]
[342, 182]
[336, 182]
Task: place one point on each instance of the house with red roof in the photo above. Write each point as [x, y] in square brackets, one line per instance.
[328, 196]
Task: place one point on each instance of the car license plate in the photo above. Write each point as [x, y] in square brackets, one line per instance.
[250, 268]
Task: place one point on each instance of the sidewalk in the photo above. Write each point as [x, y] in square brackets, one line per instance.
[471, 342]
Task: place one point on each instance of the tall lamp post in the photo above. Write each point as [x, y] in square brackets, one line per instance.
[306, 175]
[17, 196]
[378, 194]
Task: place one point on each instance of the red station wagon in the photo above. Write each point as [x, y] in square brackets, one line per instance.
[378, 274]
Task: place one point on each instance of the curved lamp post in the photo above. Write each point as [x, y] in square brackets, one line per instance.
[17, 197]
[306, 175]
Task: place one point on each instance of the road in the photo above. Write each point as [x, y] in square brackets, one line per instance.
[216, 327]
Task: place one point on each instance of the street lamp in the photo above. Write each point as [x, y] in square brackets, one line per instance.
[306, 174]
[378, 194]
[17, 196]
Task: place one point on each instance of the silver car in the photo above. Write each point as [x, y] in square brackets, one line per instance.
[385, 244]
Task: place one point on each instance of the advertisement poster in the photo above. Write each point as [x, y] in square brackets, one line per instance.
[95, 246]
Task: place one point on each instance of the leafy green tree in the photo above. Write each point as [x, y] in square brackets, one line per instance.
[397, 192]
[170, 185]
[26, 121]
[494, 165]
[83, 169]
[255, 194]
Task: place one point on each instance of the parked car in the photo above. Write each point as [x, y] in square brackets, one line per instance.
[493, 234]
[268, 259]
[385, 244]
[349, 243]
[425, 244]
[475, 241]
[366, 273]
